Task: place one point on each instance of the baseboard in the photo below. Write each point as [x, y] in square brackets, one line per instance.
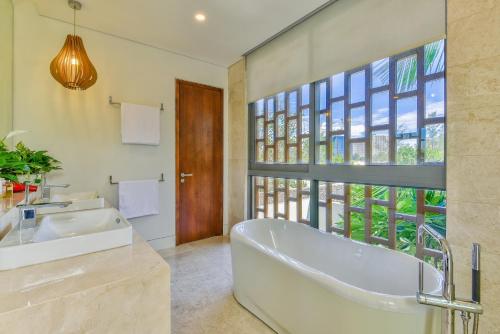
[162, 243]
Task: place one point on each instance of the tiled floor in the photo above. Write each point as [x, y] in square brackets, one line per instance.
[202, 296]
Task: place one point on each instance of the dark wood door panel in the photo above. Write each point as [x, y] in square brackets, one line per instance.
[199, 147]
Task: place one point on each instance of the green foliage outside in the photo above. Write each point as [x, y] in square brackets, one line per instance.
[406, 203]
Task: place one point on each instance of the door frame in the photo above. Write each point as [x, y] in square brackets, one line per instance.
[178, 82]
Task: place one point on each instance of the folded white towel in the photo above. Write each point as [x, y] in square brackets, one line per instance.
[140, 124]
[139, 198]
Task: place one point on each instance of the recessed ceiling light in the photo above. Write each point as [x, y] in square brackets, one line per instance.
[200, 17]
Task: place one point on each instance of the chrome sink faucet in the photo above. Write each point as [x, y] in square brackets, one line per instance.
[27, 209]
[46, 188]
[447, 300]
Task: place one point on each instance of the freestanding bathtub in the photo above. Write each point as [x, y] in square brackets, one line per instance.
[299, 280]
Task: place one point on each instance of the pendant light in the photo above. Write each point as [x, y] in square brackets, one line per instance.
[72, 67]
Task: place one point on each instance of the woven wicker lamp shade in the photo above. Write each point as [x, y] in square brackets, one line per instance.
[72, 67]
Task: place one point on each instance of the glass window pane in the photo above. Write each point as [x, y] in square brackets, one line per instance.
[304, 150]
[281, 101]
[357, 153]
[434, 98]
[357, 226]
[435, 198]
[380, 108]
[322, 126]
[281, 151]
[270, 134]
[270, 185]
[260, 198]
[270, 154]
[259, 180]
[304, 127]
[406, 69]
[280, 123]
[338, 189]
[338, 149]
[322, 154]
[406, 121]
[338, 116]
[358, 195]
[380, 221]
[406, 201]
[357, 87]
[380, 73]
[292, 103]
[434, 143]
[305, 207]
[358, 122]
[292, 131]
[380, 147]
[305, 94]
[270, 109]
[322, 215]
[338, 214]
[292, 154]
[260, 151]
[259, 108]
[380, 192]
[406, 234]
[292, 188]
[434, 57]
[270, 207]
[406, 151]
[259, 128]
[281, 202]
[322, 96]
[338, 85]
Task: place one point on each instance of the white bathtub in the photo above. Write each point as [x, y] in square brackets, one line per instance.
[302, 281]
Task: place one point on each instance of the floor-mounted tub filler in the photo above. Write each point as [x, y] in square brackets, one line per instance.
[300, 280]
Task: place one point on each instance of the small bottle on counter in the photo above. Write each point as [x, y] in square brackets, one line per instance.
[9, 189]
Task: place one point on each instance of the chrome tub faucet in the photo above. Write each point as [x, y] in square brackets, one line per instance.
[447, 300]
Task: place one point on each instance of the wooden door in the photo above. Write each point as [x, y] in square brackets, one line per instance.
[199, 166]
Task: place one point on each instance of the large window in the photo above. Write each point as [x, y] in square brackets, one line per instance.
[360, 153]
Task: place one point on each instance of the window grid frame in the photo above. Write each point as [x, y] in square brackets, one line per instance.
[314, 172]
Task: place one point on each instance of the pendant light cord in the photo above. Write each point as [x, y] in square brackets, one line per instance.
[74, 21]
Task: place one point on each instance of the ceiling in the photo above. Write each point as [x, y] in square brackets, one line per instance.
[232, 27]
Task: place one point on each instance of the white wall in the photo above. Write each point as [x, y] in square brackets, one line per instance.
[83, 131]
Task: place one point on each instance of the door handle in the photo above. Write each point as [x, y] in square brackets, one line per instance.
[186, 175]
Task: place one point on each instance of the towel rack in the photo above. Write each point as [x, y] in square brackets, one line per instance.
[113, 103]
[161, 179]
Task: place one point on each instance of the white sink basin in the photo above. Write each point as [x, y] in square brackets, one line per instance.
[63, 235]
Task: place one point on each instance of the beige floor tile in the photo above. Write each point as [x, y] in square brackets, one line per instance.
[202, 295]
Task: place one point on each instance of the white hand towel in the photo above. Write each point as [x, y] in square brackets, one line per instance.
[140, 124]
[139, 198]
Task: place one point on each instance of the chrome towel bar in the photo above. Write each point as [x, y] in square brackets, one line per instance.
[161, 179]
[113, 103]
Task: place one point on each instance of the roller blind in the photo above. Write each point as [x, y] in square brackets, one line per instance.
[343, 36]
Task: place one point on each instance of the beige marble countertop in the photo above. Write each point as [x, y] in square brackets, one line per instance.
[38, 284]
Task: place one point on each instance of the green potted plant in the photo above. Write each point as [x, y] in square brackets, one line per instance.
[23, 165]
